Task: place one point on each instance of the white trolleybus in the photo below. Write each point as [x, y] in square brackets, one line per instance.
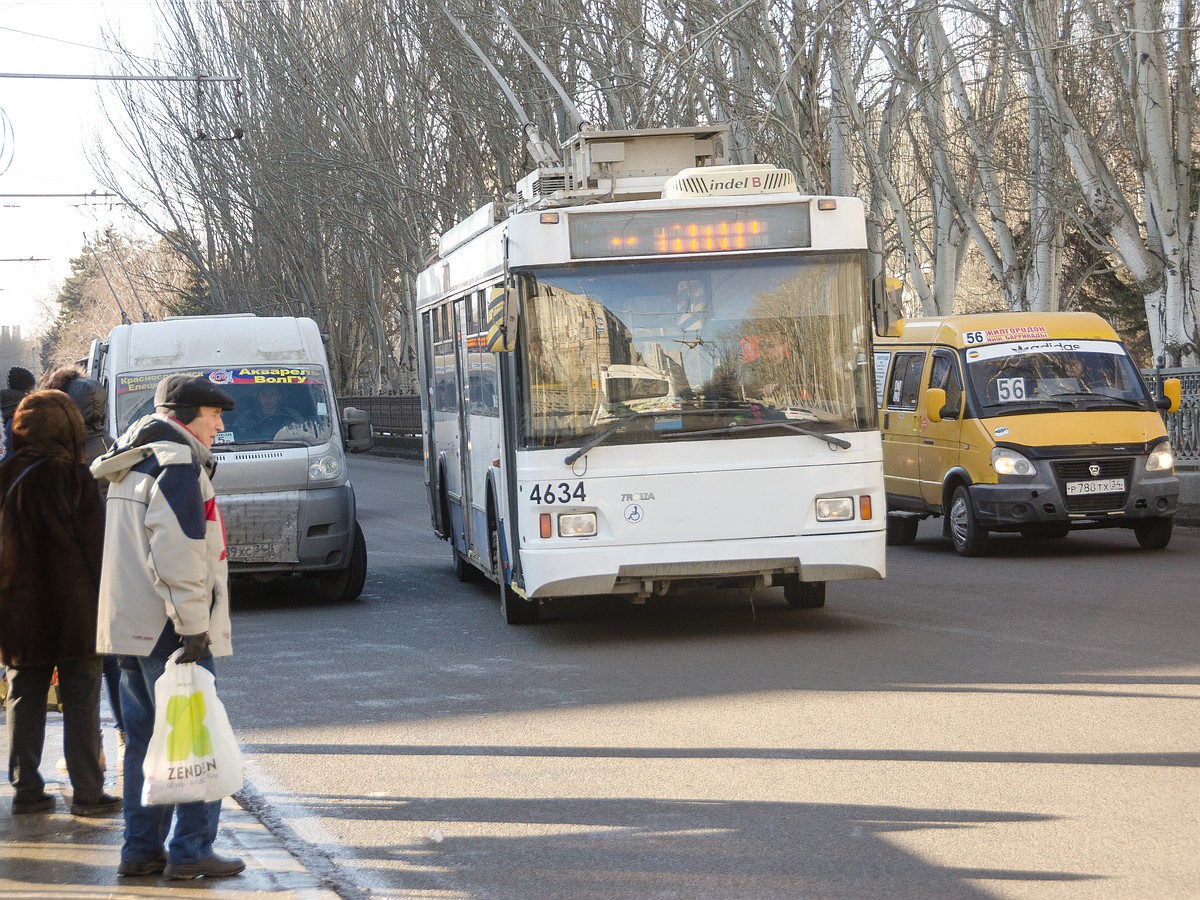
[674, 391]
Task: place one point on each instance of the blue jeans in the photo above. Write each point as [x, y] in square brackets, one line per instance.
[146, 827]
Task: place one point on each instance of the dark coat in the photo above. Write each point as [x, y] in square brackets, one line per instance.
[51, 537]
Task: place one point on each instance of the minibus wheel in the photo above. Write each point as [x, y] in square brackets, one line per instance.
[902, 530]
[969, 537]
[803, 594]
[1153, 534]
[346, 584]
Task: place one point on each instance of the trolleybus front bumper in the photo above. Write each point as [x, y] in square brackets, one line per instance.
[657, 568]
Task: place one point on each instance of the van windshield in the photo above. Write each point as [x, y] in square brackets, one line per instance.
[274, 405]
[1038, 376]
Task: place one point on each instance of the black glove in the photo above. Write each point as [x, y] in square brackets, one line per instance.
[194, 646]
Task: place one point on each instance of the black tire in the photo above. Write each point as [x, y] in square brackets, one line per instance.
[1153, 534]
[902, 530]
[516, 610]
[803, 594]
[1049, 531]
[463, 570]
[969, 537]
[346, 584]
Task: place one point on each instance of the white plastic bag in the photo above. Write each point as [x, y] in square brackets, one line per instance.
[193, 754]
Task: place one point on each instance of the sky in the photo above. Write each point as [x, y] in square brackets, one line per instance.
[49, 122]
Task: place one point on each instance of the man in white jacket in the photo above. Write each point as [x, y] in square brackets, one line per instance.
[164, 585]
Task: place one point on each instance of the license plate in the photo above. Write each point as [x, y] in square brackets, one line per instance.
[1104, 486]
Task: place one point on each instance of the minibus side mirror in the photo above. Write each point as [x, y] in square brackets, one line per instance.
[935, 401]
[1172, 395]
[359, 438]
[501, 320]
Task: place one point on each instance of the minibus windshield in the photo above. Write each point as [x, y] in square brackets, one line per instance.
[274, 405]
[1042, 376]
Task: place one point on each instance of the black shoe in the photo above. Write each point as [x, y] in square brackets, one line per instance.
[134, 868]
[42, 803]
[210, 867]
[105, 806]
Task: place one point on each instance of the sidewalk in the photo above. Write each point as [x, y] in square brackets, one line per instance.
[57, 856]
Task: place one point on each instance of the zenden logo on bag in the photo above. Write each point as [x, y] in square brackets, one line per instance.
[189, 736]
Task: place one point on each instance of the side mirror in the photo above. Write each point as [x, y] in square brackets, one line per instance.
[1172, 395]
[886, 308]
[501, 320]
[358, 430]
[935, 400]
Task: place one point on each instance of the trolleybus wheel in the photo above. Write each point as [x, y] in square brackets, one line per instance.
[346, 584]
[516, 610]
[969, 537]
[803, 594]
[902, 530]
[1153, 534]
[463, 570]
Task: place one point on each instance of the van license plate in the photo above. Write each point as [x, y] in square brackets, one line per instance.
[1106, 486]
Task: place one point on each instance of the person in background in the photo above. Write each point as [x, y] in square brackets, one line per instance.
[20, 383]
[271, 413]
[92, 401]
[51, 533]
[164, 585]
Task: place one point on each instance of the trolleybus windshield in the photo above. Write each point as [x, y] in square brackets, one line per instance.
[751, 341]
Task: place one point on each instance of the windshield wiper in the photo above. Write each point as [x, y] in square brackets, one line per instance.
[616, 426]
[265, 445]
[831, 439]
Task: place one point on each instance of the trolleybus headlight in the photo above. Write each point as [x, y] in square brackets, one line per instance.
[1161, 459]
[577, 525]
[835, 509]
[324, 468]
[1010, 462]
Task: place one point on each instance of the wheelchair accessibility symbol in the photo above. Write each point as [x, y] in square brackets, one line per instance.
[633, 513]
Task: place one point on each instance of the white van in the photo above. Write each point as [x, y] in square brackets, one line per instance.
[285, 494]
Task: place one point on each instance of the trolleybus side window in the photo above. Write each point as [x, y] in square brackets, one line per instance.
[481, 365]
[445, 382]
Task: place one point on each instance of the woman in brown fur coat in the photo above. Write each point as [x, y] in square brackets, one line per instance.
[51, 537]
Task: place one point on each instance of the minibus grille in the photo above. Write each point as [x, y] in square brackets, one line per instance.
[1080, 470]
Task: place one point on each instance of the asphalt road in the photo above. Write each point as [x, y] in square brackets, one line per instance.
[1015, 726]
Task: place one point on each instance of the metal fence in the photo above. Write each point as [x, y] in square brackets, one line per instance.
[1183, 426]
[398, 416]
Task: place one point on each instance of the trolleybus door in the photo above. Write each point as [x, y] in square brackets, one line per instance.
[461, 330]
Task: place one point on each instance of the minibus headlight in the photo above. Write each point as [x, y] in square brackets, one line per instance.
[577, 525]
[1161, 458]
[324, 468]
[1010, 462]
[835, 509]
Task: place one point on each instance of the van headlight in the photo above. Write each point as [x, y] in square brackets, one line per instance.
[1010, 462]
[326, 467]
[1161, 458]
